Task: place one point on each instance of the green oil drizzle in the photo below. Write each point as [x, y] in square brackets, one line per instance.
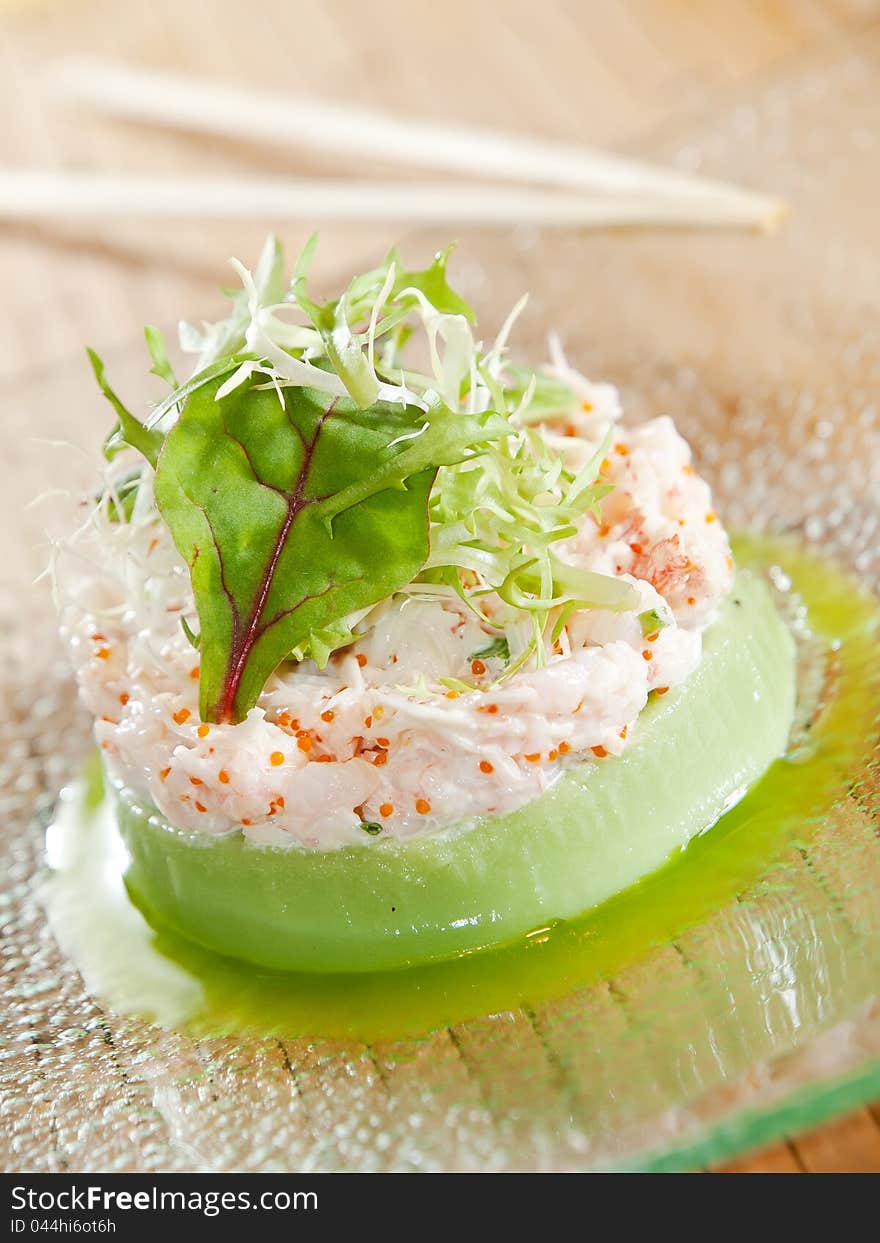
[179, 984]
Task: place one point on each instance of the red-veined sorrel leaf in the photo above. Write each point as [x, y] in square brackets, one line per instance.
[293, 513]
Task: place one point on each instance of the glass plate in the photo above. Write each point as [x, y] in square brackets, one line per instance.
[759, 1018]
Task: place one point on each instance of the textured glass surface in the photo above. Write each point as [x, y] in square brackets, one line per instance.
[759, 1018]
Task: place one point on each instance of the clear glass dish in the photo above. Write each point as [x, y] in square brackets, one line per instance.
[758, 1018]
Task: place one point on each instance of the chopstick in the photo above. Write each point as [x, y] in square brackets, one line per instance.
[42, 194]
[173, 101]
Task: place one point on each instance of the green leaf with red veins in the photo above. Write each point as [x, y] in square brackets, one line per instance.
[293, 509]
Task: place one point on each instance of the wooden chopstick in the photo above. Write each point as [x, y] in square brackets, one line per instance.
[183, 103]
[41, 194]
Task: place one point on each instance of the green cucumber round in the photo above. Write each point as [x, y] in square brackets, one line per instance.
[601, 828]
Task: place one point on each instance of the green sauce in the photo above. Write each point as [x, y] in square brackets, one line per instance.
[178, 984]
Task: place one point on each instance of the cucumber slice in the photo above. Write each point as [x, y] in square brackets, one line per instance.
[490, 880]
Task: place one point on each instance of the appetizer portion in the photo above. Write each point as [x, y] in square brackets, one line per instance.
[363, 581]
[344, 598]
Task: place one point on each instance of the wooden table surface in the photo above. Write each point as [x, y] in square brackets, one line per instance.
[618, 74]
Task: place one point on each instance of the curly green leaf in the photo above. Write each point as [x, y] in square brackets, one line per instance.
[129, 431]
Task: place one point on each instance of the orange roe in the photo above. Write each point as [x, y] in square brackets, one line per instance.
[201, 807]
[661, 690]
[477, 668]
[383, 742]
[181, 716]
[646, 655]
[304, 743]
[196, 781]
[534, 757]
[564, 748]
[553, 755]
[380, 758]
[164, 773]
[103, 653]
[486, 767]
[194, 673]
[203, 731]
[387, 809]
[452, 694]
[621, 449]
[276, 758]
[422, 806]
[223, 777]
[328, 716]
[599, 752]
[361, 659]
[123, 699]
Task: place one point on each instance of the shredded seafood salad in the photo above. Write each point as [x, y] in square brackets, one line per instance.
[361, 577]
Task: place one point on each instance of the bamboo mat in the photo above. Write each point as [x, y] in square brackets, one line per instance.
[633, 75]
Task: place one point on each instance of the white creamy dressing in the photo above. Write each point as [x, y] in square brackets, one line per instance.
[376, 736]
